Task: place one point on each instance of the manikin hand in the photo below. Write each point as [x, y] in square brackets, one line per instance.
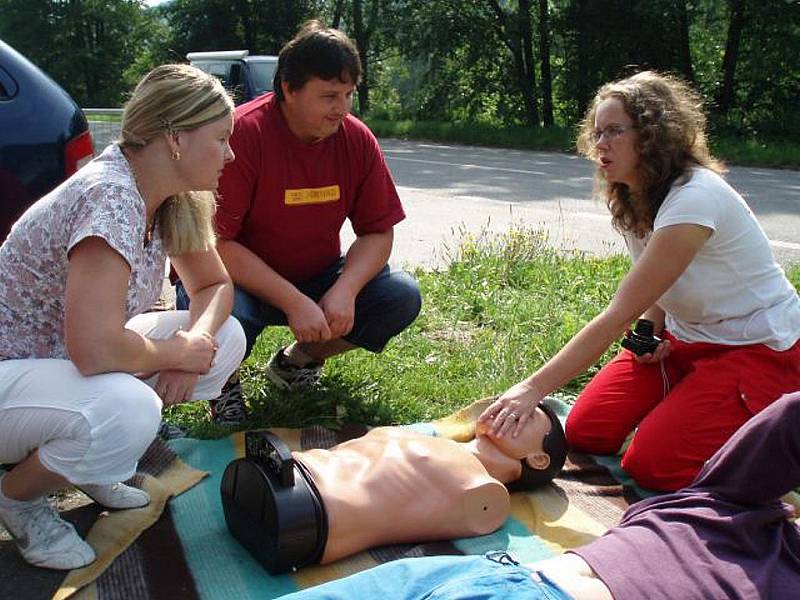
[339, 306]
[661, 352]
[174, 387]
[307, 321]
[197, 350]
[512, 410]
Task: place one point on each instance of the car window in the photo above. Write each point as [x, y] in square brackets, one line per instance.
[262, 74]
[220, 70]
[8, 87]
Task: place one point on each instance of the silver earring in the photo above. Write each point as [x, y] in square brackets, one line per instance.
[176, 155]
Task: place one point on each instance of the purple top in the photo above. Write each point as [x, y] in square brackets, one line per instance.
[725, 536]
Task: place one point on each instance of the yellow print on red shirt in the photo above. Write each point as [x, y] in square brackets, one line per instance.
[321, 195]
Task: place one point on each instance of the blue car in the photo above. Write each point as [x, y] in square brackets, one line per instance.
[44, 136]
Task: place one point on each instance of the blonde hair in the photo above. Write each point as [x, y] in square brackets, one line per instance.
[169, 99]
[668, 117]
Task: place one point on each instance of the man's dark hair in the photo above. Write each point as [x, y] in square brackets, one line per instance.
[555, 445]
[316, 51]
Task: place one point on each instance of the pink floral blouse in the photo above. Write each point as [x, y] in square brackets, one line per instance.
[100, 200]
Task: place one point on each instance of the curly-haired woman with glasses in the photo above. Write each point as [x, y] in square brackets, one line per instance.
[726, 317]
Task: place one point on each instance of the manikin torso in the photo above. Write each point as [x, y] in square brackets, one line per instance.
[394, 485]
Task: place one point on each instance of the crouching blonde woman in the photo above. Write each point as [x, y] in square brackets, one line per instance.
[84, 369]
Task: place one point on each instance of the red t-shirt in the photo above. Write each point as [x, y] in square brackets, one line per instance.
[286, 201]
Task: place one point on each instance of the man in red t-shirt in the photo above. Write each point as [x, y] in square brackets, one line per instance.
[303, 165]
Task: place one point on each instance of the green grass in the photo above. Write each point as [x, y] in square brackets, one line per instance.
[737, 150]
[92, 116]
[502, 307]
[733, 149]
[793, 273]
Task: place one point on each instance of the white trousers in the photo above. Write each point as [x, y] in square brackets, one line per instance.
[94, 429]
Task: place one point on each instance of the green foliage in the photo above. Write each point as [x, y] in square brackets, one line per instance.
[447, 60]
[204, 25]
[768, 72]
[87, 46]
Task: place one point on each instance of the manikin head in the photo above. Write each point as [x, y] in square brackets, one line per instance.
[541, 448]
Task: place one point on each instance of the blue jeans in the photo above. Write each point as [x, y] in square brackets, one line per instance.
[385, 306]
[492, 577]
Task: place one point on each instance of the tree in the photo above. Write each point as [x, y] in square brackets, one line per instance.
[363, 33]
[614, 38]
[544, 58]
[685, 48]
[205, 25]
[90, 43]
[725, 98]
[515, 29]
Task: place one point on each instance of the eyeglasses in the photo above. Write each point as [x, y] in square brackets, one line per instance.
[611, 133]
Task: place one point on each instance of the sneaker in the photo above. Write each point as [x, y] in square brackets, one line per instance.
[169, 431]
[116, 495]
[229, 408]
[42, 536]
[291, 377]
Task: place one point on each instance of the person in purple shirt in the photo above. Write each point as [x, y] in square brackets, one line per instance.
[727, 535]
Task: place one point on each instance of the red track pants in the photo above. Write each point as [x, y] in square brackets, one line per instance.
[713, 390]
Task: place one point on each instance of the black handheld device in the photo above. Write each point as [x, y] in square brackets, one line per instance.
[641, 340]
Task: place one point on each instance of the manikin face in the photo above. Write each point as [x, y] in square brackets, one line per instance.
[316, 110]
[204, 152]
[528, 444]
[616, 144]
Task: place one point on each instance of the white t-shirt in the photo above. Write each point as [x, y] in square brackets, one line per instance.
[99, 200]
[733, 292]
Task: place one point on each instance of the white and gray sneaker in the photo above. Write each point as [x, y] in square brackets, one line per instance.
[116, 495]
[291, 377]
[42, 536]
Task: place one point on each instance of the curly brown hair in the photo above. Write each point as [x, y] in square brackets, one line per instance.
[671, 125]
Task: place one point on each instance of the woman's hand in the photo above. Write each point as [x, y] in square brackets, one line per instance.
[197, 351]
[660, 353]
[512, 409]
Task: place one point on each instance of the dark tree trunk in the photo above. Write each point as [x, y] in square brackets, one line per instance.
[544, 58]
[512, 30]
[338, 10]
[528, 70]
[247, 19]
[725, 98]
[685, 50]
[361, 36]
[583, 28]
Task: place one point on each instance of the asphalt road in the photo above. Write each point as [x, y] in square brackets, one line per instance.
[449, 190]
